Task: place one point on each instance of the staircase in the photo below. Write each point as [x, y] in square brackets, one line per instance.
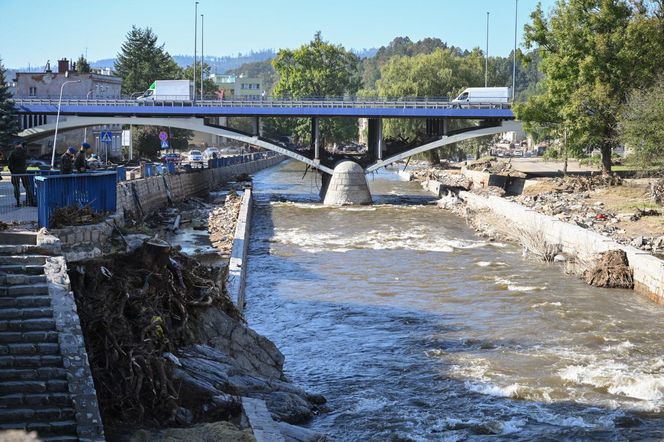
[34, 387]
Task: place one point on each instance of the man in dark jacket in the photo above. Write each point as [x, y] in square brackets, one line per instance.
[17, 163]
[67, 160]
[81, 162]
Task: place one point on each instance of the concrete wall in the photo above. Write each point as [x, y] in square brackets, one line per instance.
[576, 241]
[237, 266]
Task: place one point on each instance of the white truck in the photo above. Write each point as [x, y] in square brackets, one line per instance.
[169, 90]
[483, 95]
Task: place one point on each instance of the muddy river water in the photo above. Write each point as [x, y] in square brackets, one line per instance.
[416, 329]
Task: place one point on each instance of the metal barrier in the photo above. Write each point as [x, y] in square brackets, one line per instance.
[96, 190]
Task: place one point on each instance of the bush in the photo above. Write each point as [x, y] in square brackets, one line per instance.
[551, 154]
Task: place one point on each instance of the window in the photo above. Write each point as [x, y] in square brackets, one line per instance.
[33, 91]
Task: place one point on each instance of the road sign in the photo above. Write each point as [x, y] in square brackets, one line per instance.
[163, 136]
[106, 136]
[164, 144]
[126, 137]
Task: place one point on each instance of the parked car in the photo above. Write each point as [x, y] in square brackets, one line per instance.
[195, 156]
[171, 158]
[32, 162]
[210, 152]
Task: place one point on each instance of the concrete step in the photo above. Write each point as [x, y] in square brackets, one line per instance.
[45, 348]
[24, 289]
[25, 301]
[33, 374]
[54, 386]
[32, 337]
[21, 249]
[21, 279]
[36, 361]
[12, 415]
[45, 429]
[21, 269]
[22, 260]
[26, 313]
[32, 324]
[265, 429]
[20, 400]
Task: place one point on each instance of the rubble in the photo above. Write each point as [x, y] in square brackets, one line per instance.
[657, 191]
[75, 216]
[496, 167]
[221, 223]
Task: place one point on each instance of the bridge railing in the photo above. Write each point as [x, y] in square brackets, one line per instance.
[275, 102]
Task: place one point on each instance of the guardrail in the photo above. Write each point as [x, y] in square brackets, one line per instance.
[270, 102]
[96, 190]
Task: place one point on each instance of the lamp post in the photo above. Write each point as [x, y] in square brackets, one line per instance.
[516, 10]
[486, 61]
[195, 43]
[57, 118]
[202, 56]
[85, 131]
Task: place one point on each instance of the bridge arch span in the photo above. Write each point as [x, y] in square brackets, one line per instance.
[196, 124]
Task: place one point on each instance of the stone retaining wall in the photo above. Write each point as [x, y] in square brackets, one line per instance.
[576, 241]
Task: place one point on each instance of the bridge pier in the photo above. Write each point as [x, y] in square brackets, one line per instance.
[375, 141]
[348, 186]
[315, 138]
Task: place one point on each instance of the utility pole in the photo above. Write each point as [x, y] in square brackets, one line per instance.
[195, 44]
[202, 56]
[486, 61]
[516, 10]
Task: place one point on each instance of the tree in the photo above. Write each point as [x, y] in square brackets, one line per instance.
[590, 51]
[318, 70]
[9, 123]
[82, 66]
[642, 124]
[209, 86]
[141, 61]
[146, 141]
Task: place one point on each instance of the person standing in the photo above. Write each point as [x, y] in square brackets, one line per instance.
[17, 163]
[67, 160]
[81, 162]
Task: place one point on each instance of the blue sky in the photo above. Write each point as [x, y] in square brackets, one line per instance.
[34, 31]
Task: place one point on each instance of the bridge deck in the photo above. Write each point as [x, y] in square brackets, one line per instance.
[266, 108]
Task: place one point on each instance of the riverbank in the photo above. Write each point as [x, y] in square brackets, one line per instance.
[171, 355]
[552, 221]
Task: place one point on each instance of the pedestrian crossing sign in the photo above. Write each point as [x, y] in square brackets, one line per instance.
[164, 144]
[106, 137]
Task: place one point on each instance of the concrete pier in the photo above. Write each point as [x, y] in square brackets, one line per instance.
[348, 186]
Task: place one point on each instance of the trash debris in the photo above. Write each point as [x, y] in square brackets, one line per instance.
[75, 216]
[610, 270]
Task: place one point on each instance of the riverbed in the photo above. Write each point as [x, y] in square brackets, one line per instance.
[415, 328]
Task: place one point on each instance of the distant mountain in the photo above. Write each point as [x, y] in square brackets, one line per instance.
[218, 64]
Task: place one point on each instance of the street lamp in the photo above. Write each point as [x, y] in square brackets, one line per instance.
[195, 44]
[57, 118]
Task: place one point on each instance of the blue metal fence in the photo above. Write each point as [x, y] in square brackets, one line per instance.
[96, 190]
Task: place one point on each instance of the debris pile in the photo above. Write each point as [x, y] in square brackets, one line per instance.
[75, 216]
[192, 212]
[134, 308]
[586, 183]
[611, 270]
[657, 191]
[222, 221]
[495, 167]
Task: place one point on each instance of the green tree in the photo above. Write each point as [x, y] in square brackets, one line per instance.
[209, 86]
[318, 70]
[82, 65]
[146, 141]
[642, 124]
[141, 61]
[9, 123]
[593, 53]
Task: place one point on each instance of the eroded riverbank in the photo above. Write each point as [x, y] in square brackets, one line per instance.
[414, 327]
